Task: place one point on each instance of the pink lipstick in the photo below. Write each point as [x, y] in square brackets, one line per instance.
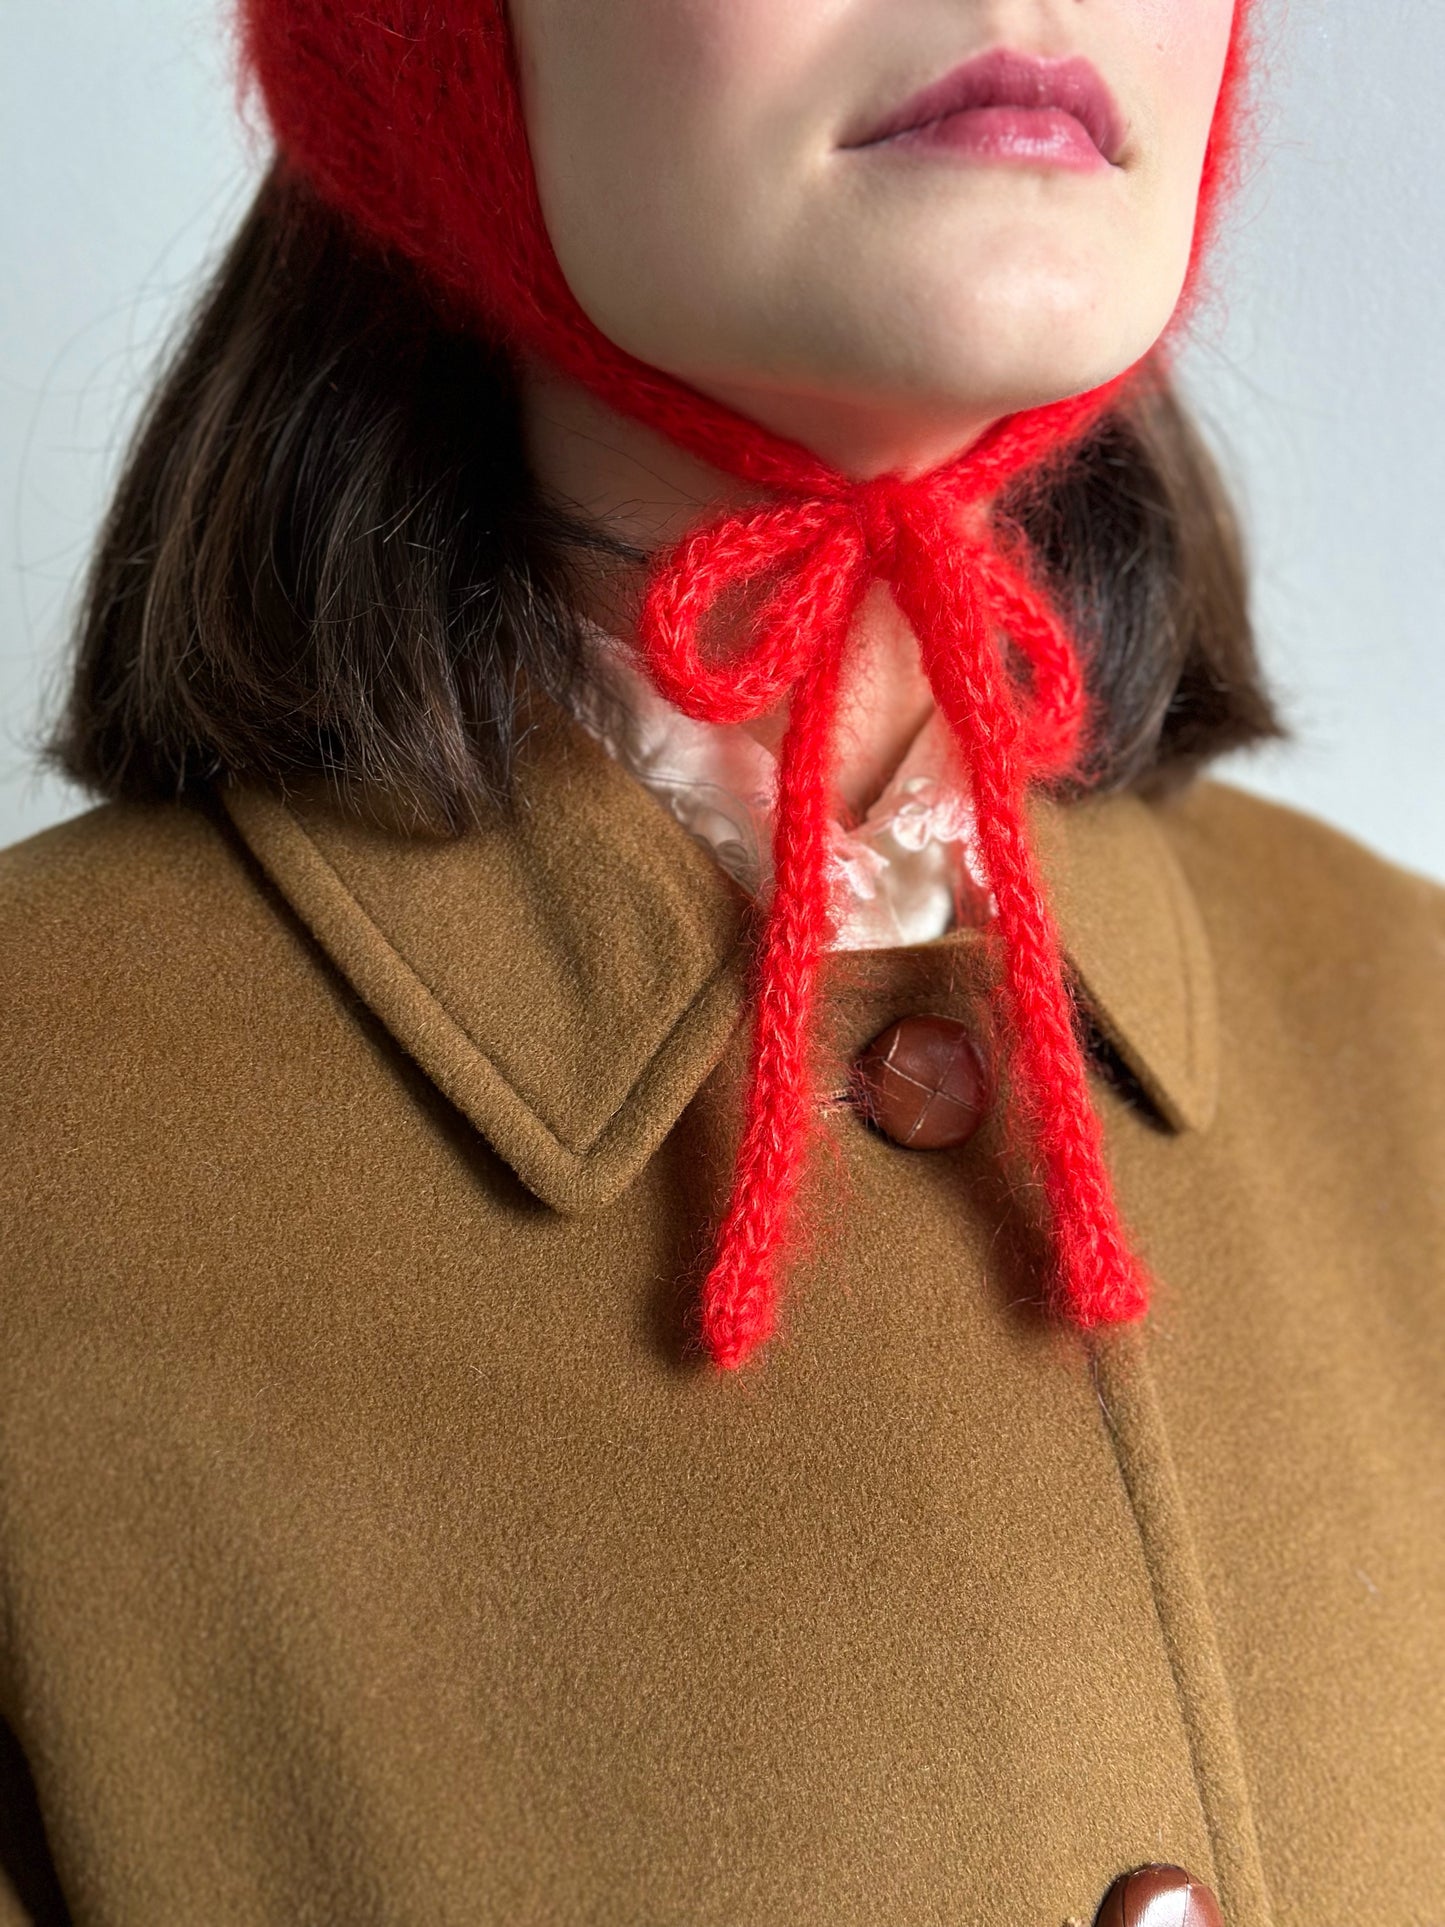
[1004, 105]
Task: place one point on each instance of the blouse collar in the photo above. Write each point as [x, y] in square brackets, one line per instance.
[906, 872]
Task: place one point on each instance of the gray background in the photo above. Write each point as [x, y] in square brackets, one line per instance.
[1322, 385]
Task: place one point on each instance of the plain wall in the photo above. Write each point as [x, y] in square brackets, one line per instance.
[1322, 384]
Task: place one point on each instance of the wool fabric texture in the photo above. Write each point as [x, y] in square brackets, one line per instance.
[406, 117]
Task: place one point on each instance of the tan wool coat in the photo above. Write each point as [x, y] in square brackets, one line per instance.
[376, 1549]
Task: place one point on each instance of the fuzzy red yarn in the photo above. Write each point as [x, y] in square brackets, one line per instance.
[405, 115]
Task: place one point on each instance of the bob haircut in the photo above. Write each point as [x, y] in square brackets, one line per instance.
[326, 555]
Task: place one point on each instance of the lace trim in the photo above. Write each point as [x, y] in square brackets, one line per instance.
[907, 872]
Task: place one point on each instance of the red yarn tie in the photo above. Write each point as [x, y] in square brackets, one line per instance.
[958, 592]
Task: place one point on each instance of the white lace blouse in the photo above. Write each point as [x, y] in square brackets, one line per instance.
[907, 872]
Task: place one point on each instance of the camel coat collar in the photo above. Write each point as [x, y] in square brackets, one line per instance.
[568, 978]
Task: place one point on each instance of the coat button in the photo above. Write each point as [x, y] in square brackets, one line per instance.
[923, 1082]
[1159, 1896]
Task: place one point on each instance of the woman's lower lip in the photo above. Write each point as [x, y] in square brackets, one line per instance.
[1042, 135]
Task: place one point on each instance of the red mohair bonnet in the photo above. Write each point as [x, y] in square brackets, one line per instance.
[405, 115]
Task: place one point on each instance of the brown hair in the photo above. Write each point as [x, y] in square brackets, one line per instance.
[327, 554]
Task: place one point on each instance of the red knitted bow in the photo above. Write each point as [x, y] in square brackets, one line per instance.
[957, 591]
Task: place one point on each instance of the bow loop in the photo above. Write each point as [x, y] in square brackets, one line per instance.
[1056, 715]
[689, 579]
[982, 586]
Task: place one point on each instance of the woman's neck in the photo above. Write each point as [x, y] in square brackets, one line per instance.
[645, 489]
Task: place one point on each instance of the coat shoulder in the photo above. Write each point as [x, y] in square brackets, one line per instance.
[103, 851]
[1233, 838]
[106, 919]
[1309, 915]
[119, 875]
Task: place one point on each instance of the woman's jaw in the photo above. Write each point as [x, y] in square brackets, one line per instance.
[882, 303]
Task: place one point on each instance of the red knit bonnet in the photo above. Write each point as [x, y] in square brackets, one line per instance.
[406, 116]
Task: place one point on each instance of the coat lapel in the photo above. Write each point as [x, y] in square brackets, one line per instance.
[568, 976]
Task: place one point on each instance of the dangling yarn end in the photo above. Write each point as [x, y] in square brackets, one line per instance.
[1098, 1278]
[1102, 1282]
[739, 1293]
[737, 1309]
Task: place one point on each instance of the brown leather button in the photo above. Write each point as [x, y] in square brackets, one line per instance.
[1159, 1896]
[923, 1082]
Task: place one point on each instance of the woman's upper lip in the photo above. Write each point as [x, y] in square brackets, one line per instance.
[1003, 77]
